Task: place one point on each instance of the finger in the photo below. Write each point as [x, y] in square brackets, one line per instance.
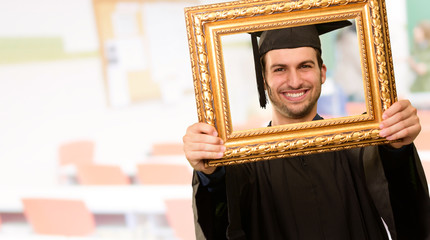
[201, 138]
[410, 133]
[402, 133]
[406, 135]
[201, 133]
[393, 120]
[199, 128]
[198, 155]
[198, 146]
[395, 108]
[406, 113]
[201, 142]
[397, 126]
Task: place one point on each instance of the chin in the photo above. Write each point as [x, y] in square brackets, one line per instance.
[295, 114]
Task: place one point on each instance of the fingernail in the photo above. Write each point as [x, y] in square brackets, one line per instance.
[382, 133]
[215, 133]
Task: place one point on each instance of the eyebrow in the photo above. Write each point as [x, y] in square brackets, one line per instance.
[307, 62]
[276, 65]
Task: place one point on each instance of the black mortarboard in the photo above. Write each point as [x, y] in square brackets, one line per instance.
[292, 37]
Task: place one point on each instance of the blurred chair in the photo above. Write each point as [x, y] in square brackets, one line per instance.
[96, 174]
[179, 214]
[172, 148]
[77, 153]
[59, 216]
[148, 173]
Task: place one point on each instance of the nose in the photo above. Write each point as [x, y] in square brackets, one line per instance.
[293, 80]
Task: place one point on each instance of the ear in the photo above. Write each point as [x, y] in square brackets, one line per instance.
[323, 73]
[265, 83]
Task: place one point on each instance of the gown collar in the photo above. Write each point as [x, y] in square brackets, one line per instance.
[317, 117]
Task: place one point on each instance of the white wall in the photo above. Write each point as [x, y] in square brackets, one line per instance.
[43, 105]
[72, 20]
[397, 24]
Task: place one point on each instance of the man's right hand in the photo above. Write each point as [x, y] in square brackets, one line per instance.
[201, 142]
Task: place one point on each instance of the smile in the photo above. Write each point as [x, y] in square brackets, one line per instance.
[295, 95]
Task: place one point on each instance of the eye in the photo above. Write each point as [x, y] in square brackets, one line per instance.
[306, 66]
[279, 69]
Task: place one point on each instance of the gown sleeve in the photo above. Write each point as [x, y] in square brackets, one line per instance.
[408, 191]
[210, 205]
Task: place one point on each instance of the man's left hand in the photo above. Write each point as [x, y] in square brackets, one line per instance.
[400, 122]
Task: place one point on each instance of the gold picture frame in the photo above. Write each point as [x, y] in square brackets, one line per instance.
[207, 23]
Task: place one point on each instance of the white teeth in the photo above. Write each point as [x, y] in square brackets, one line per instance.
[294, 95]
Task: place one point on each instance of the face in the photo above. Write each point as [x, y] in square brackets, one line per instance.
[293, 81]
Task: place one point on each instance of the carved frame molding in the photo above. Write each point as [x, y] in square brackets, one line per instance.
[207, 23]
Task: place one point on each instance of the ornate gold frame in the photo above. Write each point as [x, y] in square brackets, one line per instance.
[205, 26]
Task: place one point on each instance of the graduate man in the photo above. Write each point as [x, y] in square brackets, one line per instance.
[376, 192]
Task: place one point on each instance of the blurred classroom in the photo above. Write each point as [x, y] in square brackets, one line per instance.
[95, 96]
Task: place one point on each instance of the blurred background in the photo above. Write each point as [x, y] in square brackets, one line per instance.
[95, 96]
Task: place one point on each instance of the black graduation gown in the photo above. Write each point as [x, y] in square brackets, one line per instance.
[335, 195]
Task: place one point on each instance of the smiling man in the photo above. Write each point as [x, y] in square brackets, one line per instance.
[371, 193]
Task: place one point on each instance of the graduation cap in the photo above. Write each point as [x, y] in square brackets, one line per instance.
[292, 37]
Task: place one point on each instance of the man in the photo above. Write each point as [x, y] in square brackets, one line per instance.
[361, 193]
